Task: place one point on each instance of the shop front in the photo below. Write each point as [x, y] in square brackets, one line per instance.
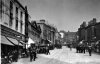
[10, 41]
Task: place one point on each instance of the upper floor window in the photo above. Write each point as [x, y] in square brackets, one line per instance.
[0, 9]
[21, 16]
[11, 13]
[16, 12]
[16, 18]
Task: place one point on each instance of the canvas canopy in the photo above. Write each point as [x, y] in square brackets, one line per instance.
[29, 42]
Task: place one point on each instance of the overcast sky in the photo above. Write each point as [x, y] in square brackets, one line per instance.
[64, 14]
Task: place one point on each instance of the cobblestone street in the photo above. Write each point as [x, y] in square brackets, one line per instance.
[63, 56]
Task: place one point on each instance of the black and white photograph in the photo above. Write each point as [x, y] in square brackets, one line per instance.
[50, 31]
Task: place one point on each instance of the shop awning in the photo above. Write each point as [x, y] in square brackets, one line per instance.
[29, 42]
[5, 41]
[14, 41]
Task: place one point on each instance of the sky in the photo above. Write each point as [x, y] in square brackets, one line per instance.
[64, 14]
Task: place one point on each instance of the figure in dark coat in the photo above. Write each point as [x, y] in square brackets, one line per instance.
[90, 50]
[84, 47]
[47, 50]
[31, 53]
[34, 53]
[15, 55]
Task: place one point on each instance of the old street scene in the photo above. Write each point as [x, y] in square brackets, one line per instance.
[50, 31]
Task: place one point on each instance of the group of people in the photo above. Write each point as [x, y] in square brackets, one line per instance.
[14, 55]
[11, 56]
[33, 50]
[32, 53]
[81, 48]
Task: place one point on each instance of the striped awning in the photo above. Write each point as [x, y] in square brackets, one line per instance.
[5, 41]
[14, 41]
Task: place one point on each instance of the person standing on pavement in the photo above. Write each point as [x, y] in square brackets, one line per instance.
[34, 53]
[77, 48]
[84, 49]
[31, 53]
[15, 57]
[47, 51]
[90, 50]
[70, 47]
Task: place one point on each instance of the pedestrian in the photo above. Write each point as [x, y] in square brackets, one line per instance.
[30, 53]
[84, 47]
[20, 53]
[15, 55]
[34, 53]
[90, 50]
[47, 51]
[77, 48]
[80, 49]
[70, 47]
[10, 55]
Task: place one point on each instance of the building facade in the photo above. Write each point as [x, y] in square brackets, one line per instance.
[82, 32]
[13, 17]
[48, 32]
[90, 33]
[34, 32]
[69, 37]
[58, 40]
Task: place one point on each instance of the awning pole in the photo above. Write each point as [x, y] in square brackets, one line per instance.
[18, 49]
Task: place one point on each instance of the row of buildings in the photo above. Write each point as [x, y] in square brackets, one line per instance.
[69, 37]
[16, 27]
[45, 32]
[90, 33]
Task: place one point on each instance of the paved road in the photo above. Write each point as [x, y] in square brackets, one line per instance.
[63, 56]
